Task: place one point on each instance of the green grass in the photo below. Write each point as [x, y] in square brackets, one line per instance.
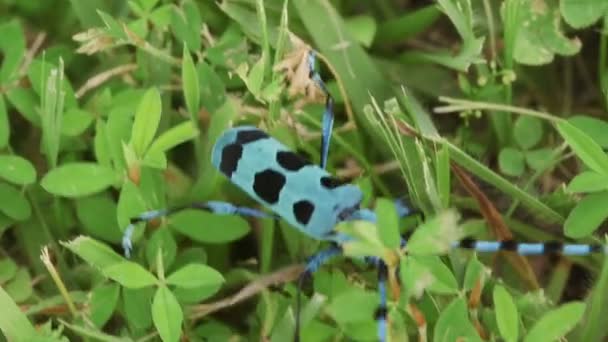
[490, 116]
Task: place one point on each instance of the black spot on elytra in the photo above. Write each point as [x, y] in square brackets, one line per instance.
[245, 137]
[267, 185]
[231, 154]
[331, 182]
[303, 210]
[291, 161]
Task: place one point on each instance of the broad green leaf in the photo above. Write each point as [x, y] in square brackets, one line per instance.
[582, 13]
[14, 203]
[585, 148]
[147, 118]
[97, 214]
[12, 46]
[593, 127]
[540, 159]
[17, 170]
[174, 136]
[161, 241]
[78, 179]
[588, 181]
[13, 323]
[475, 271]
[147, 5]
[540, 37]
[75, 122]
[506, 314]
[511, 162]
[195, 275]
[527, 131]
[422, 273]
[341, 307]
[167, 315]
[103, 302]
[113, 27]
[556, 323]
[4, 124]
[209, 227]
[454, 324]
[388, 220]
[186, 24]
[435, 236]
[190, 84]
[362, 28]
[93, 252]
[8, 268]
[587, 216]
[26, 103]
[129, 274]
[136, 304]
[20, 287]
[365, 242]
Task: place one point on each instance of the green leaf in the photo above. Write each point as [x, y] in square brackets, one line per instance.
[454, 324]
[93, 252]
[4, 124]
[556, 323]
[13, 323]
[593, 127]
[14, 204]
[97, 214]
[209, 227]
[174, 136]
[195, 275]
[75, 122]
[365, 242]
[585, 148]
[540, 37]
[422, 273]
[136, 303]
[583, 13]
[52, 99]
[12, 46]
[386, 214]
[588, 181]
[17, 170]
[167, 315]
[506, 314]
[103, 302]
[186, 24]
[20, 287]
[587, 216]
[527, 131]
[511, 162]
[78, 179]
[161, 241]
[341, 307]
[147, 5]
[8, 269]
[435, 236]
[362, 28]
[540, 159]
[190, 84]
[130, 275]
[147, 118]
